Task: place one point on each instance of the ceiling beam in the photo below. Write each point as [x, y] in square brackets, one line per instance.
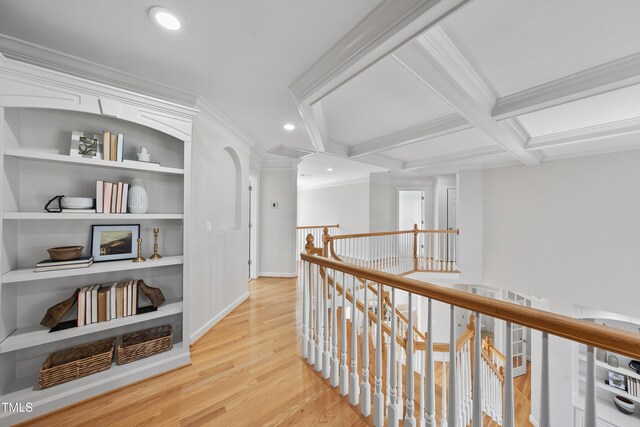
[342, 150]
[423, 66]
[589, 133]
[600, 79]
[391, 24]
[476, 153]
[422, 132]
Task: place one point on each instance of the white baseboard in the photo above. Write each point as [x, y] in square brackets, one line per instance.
[533, 420]
[267, 274]
[218, 317]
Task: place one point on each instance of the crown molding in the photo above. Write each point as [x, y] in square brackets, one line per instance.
[438, 44]
[216, 119]
[332, 184]
[476, 153]
[41, 56]
[284, 164]
[415, 134]
[597, 80]
[589, 133]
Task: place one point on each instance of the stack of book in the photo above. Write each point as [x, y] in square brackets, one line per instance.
[111, 197]
[48, 265]
[633, 386]
[99, 303]
[112, 146]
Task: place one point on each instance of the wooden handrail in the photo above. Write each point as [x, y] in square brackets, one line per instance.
[493, 367]
[302, 227]
[376, 234]
[611, 339]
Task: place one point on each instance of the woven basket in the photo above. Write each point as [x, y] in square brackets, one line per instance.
[141, 344]
[76, 362]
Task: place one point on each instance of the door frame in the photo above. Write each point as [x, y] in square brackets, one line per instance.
[252, 225]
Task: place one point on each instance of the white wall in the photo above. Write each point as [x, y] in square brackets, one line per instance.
[346, 205]
[470, 223]
[382, 206]
[277, 239]
[219, 259]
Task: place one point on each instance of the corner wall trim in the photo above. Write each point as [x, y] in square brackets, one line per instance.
[217, 318]
[268, 274]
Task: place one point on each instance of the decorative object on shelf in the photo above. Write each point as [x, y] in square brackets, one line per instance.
[55, 313]
[139, 258]
[65, 253]
[617, 380]
[624, 405]
[601, 355]
[144, 155]
[82, 146]
[56, 199]
[635, 365]
[612, 361]
[77, 202]
[155, 295]
[114, 242]
[155, 255]
[138, 202]
[49, 265]
[111, 197]
[141, 344]
[77, 362]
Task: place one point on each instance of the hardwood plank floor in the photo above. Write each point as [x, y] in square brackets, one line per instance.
[246, 371]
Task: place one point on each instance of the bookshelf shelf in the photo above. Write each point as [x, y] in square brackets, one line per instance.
[89, 216]
[37, 335]
[61, 158]
[620, 369]
[25, 389]
[27, 274]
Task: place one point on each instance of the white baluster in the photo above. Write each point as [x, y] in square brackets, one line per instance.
[344, 369]
[477, 375]
[378, 397]
[305, 324]
[423, 366]
[508, 380]
[334, 333]
[313, 329]
[409, 419]
[392, 408]
[399, 403]
[545, 410]
[365, 387]
[453, 404]
[326, 354]
[319, 326]
[590, 390]
[354, 391]
[430, 404]
[444, 393]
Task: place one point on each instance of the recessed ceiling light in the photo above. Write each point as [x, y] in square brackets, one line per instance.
[165, 18]
[330, 169]
[288, 126]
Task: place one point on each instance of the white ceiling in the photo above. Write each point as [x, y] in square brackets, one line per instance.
[432, 107]
[239, 55]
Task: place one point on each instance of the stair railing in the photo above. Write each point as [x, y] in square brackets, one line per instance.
[464, 395]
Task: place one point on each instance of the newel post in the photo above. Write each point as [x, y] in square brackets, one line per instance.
[309, 246]
[415, 247]
[325, 242]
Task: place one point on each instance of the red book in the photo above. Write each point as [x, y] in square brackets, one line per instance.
[106, 202]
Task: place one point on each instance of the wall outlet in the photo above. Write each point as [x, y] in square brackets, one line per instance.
[274, 205]
[207, 227]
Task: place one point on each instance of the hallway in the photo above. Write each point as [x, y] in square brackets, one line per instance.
[246, 371]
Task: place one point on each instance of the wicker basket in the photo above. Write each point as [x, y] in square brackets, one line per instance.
[141, 344]
[77, 362]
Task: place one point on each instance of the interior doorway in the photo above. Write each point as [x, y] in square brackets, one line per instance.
[411, 209]
[253, 229]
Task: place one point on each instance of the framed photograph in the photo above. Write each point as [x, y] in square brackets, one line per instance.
[617, 380]
[82, 146]
[114, 242]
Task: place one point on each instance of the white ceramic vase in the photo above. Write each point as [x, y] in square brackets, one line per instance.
[138, 202]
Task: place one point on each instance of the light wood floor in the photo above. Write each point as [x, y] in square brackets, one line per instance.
[246, 371]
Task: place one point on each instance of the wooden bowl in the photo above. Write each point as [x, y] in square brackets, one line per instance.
[624, 405]
[65, 253]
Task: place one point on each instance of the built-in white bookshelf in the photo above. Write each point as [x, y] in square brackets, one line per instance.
[36, 121]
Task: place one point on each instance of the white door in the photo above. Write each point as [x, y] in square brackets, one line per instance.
[519, 337]
[410, 209]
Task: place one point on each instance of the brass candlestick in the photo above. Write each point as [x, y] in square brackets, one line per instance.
[139, 258]
[155, 255]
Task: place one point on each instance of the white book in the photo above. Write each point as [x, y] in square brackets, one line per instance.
[106, 197]
[125, 195]
[82, 299]
[125, 306]
[120, 148]
[99, 196]
[134, 301]
[108, 310]
[130, 297]
[112, 298]
[87, 306]
[94, 304]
